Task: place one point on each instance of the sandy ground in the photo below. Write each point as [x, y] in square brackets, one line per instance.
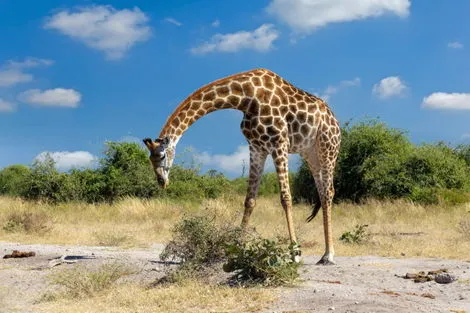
[355, 284]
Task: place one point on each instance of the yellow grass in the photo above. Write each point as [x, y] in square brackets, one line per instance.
[190, 296]
[435, 231]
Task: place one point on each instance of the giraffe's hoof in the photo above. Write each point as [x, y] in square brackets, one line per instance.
[325, 260]
[296, 252]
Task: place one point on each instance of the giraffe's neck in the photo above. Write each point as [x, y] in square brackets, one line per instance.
[234, 92]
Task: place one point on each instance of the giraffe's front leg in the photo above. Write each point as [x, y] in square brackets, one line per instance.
[257, 160]
[280, 158]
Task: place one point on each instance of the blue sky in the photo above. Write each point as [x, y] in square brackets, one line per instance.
[74, 74]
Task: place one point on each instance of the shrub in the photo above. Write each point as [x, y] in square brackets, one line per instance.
[199, 243]
[463, 151]
[31, 222]
[127, 171]
[186, 183]
[380, 162]
[368, 149]
[82, 283]
[199, 240]
[44, 181]
[12, 179]
[89, 185]
[261, 261]
[358, 235]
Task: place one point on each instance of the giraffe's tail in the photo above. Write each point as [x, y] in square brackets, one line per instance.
[316, 208]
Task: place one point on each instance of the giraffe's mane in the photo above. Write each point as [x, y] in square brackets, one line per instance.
[182, 105]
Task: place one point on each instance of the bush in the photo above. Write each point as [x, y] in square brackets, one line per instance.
[380, 162]
[358, 235]
[261, 261]
[463, 151]
[29, 222]
[124, 171]
[369, 149]
[127, 172]
[82, 283]
[186, 183]
[12, 179]
[200, 241]
[44, 181]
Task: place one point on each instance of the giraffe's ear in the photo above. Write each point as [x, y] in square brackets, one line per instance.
[150, 144]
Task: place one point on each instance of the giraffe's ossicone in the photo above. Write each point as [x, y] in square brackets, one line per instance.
[278, 119]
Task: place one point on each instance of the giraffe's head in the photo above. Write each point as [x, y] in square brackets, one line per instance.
[161, 156]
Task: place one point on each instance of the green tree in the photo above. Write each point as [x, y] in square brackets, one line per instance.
[127, 171]
[44, 181]
[13, 178]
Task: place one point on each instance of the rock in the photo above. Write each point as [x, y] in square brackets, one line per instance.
[444, 278]
[331, 308]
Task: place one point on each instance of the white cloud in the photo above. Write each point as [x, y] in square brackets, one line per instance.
[466, 136]
[389, 87]
[6, 106]
[58, 97]
[331, 90]
[13, 72]
[65, 160]
[261, 39]
[450, 101]
[455, 45]
[103, 28]
[129, 138]
[353, 82]
[12, 77]
[308, 15]
[233, 163]
[215, 23]
[29, 62]
[173, 21]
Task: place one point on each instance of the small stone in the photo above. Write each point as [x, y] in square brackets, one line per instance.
[331, 308]
[444, 278]
[357, 302]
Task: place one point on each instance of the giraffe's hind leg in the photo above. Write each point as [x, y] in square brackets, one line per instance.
[322, 160]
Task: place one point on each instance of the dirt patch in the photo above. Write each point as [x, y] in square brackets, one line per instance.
[355, 284]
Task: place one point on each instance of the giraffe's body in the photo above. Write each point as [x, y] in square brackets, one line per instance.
[279, 119]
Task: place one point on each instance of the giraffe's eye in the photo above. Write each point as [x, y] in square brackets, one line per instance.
[157, 156]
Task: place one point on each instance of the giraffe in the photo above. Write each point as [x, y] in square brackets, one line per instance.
[278, 119]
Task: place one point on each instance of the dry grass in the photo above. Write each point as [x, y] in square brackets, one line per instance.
[79, 282]
[397, 227]
[190, 296]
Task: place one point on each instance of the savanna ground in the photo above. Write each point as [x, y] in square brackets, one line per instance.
[117, 246]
